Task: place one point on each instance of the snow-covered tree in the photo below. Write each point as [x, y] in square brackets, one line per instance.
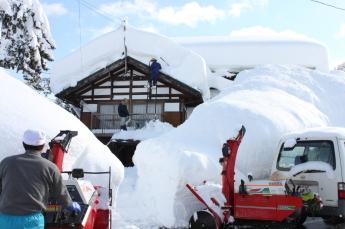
[25, 40]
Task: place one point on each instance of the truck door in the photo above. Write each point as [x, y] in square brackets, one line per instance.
[324, 183]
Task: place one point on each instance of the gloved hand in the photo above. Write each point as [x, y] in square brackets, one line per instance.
[74, 207]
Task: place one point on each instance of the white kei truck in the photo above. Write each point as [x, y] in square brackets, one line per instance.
[321, 146]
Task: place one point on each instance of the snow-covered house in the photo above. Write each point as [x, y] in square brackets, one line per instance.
[116, 65]
[226, 56]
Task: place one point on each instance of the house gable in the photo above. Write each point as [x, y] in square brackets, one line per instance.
[126, 78]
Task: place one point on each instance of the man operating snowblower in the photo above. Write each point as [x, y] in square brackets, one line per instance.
[27, 181]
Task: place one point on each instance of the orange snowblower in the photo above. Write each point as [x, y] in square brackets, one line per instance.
[95, 201]
[252, 204]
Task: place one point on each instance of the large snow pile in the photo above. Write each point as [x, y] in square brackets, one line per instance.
[23, 108]
[269, 101]
[244, 52]
[176, 61]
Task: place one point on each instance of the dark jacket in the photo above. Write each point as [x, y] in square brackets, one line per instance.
[122, 110]
[27, 181]
[155, 67]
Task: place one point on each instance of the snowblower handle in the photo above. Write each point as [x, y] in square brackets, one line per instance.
[59, 145]
[64, 138]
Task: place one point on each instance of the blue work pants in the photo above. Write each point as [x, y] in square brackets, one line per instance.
[31, 221]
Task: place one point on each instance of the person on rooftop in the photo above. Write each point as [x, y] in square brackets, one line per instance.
[154, 72]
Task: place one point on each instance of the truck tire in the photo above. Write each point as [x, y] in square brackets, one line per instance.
[298, 218]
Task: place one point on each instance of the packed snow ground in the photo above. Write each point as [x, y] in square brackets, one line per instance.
[268, 100]
[23, 108]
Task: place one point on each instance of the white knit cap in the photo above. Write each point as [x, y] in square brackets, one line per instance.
[34, 137]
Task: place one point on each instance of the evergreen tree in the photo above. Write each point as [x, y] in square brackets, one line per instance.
[25, 43]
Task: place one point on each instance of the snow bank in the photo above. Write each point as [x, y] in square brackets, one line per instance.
[226, 53]
[269, 101]
[176, 61]
[23, 108]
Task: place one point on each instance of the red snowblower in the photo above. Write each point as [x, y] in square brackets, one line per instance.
[255, 203]
[95, 201]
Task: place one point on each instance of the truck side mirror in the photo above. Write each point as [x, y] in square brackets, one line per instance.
[289, 144]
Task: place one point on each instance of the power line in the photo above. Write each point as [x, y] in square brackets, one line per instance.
[98, 11]
[330, 5]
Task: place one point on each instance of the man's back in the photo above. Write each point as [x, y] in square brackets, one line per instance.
[28, 180]
[155, 67]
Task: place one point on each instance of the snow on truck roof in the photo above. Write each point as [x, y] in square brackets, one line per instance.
[236, 54]
[176, 60]
[317, 133]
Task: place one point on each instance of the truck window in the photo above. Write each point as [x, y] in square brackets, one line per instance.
[310, 150]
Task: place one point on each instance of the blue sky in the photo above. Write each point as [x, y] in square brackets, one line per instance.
[198, 18]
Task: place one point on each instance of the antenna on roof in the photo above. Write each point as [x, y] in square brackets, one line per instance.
[124, 24]
[80, 47]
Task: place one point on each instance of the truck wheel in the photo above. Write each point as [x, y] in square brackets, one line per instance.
[303, 216]
[202, 220]
[298, 218]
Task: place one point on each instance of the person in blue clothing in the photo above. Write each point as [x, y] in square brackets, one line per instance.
[154, 72]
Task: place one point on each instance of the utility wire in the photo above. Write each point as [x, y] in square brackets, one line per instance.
[80, 47]
[98, 11]
[330, 5]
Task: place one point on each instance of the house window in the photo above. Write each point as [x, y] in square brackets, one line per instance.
[108, 109]
[108, 117]
[150, 108]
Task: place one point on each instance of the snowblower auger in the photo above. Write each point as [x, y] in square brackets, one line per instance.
[259, 207]
[95, 201]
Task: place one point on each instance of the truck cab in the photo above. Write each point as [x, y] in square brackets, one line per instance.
[324, 145]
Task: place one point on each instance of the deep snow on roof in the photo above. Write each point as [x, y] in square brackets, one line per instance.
[177, 61]
[222, 52]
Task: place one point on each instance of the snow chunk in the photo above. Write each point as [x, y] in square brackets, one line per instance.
[312, 165]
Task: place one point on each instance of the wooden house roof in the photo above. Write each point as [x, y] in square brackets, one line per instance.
[73, 94]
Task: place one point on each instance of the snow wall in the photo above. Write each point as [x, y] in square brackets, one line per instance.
[23, 108]
[269, 101]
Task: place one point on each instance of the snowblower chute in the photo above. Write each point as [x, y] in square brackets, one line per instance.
[95, 201]
[253, 203]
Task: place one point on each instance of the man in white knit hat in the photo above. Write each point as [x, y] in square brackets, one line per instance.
[27, 181]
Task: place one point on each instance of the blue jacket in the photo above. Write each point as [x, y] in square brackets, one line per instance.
[154, 68]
